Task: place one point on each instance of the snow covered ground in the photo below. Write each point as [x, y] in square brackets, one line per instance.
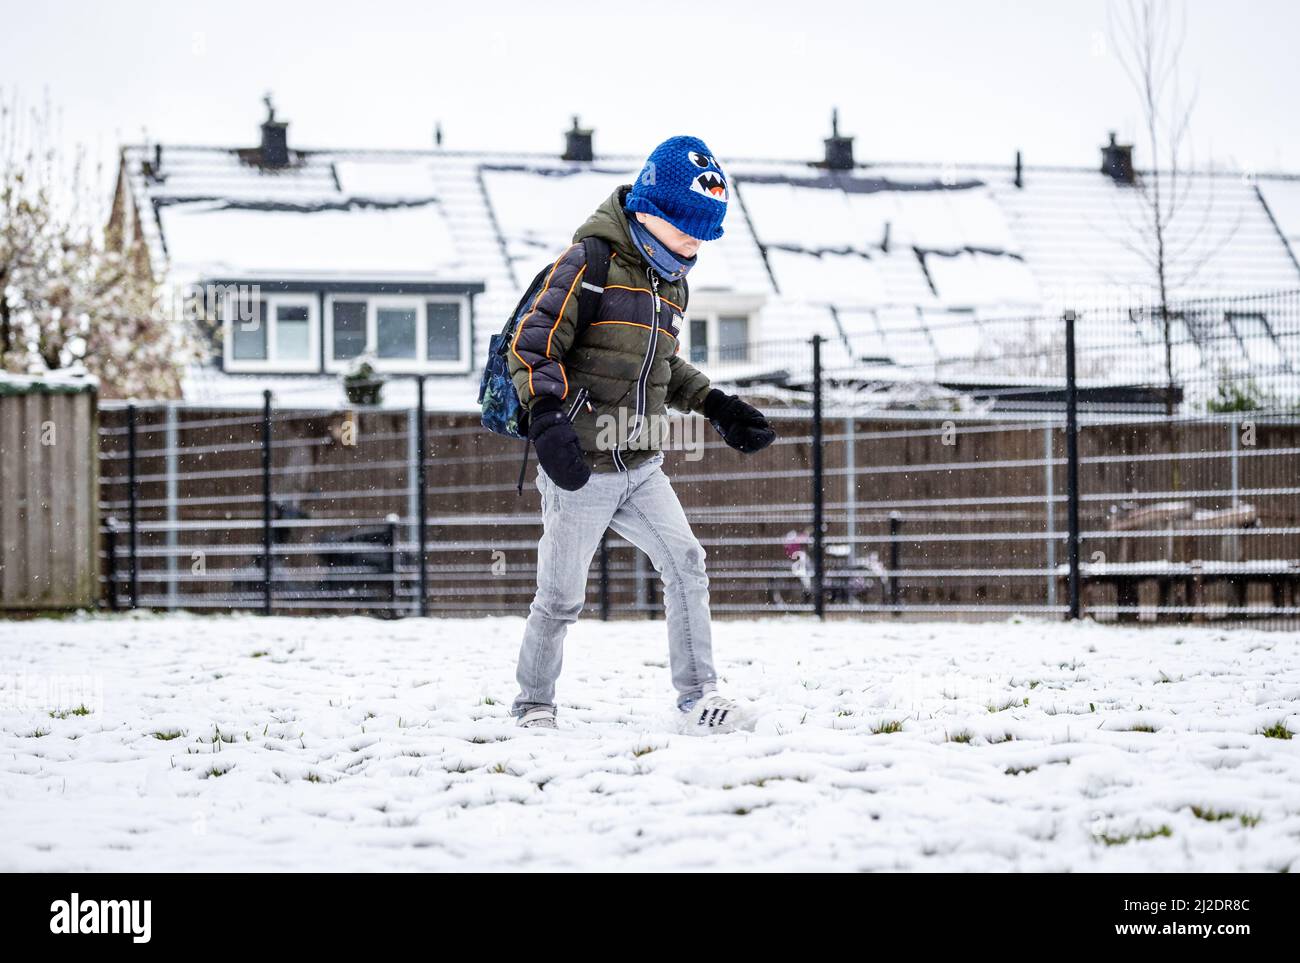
[248, 743]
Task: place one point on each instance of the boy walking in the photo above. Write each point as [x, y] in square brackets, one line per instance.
[593, 398]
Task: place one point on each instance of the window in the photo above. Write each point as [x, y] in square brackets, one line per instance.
[733, 339]
[699, 340]
[406, 333]
[717, 338]
[248, 341]
[396, 333]
[443, 340]
[293, 332]
[272, 333]
[348, 319]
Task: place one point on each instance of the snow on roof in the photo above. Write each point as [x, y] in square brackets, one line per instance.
[1282, 195]
[216, 239]
[979, 279]
[1082, 231]
[887, 256]
[538, 206]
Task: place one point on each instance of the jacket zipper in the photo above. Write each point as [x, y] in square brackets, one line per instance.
[649, 357]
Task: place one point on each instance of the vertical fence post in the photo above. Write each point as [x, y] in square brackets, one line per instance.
[851, 489]
[411, 536]
[640, 583]
[172, 443]
[392, 519]
[132, 515]
[1234, 539]
[1072, 461]
[818, 489]
[651, 580]
[421, 510]
[111, 527]
[266, 503]
[604, 576]
[895, 523]
[1049, 489]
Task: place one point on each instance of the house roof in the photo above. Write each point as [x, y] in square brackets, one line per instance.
[881, 259]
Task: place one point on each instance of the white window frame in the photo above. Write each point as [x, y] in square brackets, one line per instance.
[711, 320]
[420, 364]
[272, 361]
[710, 305]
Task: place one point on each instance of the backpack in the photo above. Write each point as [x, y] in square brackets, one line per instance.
[503, 412]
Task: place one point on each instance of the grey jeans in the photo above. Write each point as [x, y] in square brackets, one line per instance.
[641, 506]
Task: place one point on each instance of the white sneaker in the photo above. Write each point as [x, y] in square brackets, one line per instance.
[540, 717]
[711, 715]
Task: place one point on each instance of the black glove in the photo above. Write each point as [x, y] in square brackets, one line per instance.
[557, 444]
[741, 426]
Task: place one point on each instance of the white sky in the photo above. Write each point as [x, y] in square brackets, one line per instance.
[946, 81]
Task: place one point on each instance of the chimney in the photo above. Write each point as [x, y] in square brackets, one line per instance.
[1117, 161]
[275, 138]
[577, 143]
[839, 150]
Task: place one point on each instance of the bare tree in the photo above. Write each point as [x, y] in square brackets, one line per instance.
[1149, 37]
[68, 297]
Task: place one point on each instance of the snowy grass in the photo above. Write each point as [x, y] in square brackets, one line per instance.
[186, 743]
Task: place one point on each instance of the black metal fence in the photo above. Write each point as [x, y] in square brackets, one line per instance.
[1114, 462]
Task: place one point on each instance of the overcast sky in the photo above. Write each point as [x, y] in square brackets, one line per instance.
[943, 81]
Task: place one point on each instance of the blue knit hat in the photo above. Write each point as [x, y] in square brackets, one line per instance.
[682, 183]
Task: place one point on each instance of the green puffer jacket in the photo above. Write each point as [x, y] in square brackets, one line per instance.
[619, 377]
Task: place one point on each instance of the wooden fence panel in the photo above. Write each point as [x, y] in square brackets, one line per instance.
[49, 469]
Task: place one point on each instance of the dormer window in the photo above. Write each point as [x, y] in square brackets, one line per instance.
[293, 327]
[274, 332]
[406, 333]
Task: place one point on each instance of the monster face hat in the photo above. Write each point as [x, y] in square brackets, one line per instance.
[682, 183]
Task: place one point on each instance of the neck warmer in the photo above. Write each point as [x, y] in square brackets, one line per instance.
[667, 265]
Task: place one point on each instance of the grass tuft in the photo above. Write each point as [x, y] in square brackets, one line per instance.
[1140, 836]
[1120, 839]
[81, 710]
[1218, 816]
[1009, 704]
[1277, 730]
[887, 727]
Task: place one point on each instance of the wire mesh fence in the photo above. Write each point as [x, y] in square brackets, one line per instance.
[924, 467]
